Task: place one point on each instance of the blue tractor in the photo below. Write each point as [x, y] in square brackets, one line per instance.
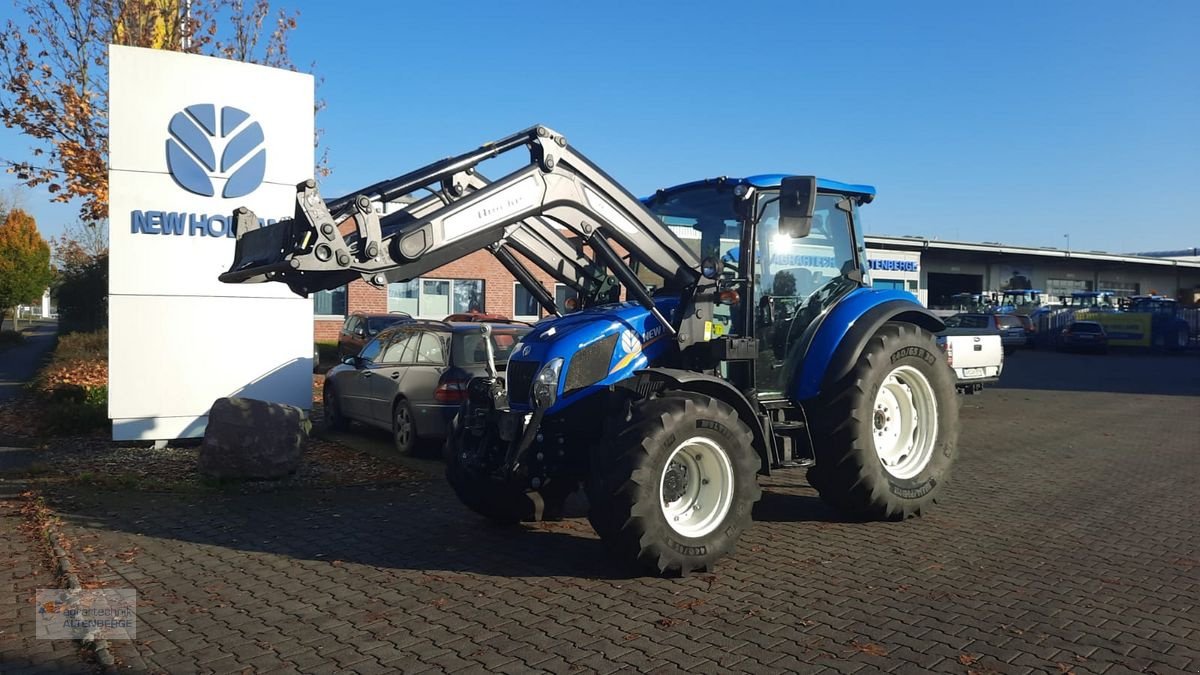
[1168, 329]
[686, 372]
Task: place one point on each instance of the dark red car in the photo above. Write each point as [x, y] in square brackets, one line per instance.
[361, 327]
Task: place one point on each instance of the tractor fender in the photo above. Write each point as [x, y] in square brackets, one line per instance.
[652, 380]
[843, 333]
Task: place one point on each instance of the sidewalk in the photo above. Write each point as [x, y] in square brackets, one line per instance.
[18, 364]
[24, 568]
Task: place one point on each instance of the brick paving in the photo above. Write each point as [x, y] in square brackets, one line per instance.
[24, 568]
[1069, 542]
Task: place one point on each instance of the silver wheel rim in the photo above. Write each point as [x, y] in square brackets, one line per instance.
[904, 422]
[696, 487]
[403, 426]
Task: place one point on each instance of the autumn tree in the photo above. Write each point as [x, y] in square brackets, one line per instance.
[54, 75]
[24, 261]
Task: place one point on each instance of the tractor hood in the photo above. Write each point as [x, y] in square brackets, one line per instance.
[598, 346]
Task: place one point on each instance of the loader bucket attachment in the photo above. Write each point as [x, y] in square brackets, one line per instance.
[278, 251]
[261, 252]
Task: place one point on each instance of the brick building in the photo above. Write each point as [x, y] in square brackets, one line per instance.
[476, 281]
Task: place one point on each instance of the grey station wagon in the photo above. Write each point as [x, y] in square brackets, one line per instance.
[412, 378]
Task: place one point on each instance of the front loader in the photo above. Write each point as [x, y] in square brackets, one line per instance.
[727, 329]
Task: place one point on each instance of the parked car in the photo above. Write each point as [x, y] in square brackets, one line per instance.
[412, 378]
[1012, 332]
[975, 355]
[1030, 327]
[362, 326]
[1084, 335]
[479, 317]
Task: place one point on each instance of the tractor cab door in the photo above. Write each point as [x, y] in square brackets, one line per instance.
[796, 279]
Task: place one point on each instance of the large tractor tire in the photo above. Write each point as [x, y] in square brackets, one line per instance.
[886, 435]
[673, 483]
[504, 502]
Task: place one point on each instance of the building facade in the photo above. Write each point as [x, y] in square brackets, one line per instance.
[929, 269]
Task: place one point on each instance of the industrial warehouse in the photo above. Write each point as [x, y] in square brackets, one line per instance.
[933, 270]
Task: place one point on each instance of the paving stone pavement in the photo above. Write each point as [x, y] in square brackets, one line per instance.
[1068, 542]
[24, 568]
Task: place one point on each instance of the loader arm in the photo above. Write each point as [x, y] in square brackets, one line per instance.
[326, 245]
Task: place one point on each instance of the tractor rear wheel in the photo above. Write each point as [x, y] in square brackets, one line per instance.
[505, 502]
[885, 436]
[673, 483]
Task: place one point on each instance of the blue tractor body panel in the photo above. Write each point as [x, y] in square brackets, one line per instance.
[833, 329]
[640, 341]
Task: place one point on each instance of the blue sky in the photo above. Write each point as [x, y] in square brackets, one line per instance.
[1015, 122]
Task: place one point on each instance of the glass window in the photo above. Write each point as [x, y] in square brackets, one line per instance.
[351, 324]
[404, 297]
[797, 279]
[970, 321]
[431, 350]
[525, 306]
[371, 350]
[470, 349]
[436, 298]
[468, 295]
[395, 350]
[330, 303]
[894, 284]
[561, 293]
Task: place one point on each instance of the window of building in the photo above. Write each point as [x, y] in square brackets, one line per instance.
[561, 293]
[330, 303]
[1063, 288]
[525, 306]
[893, 284]
[1122, 288]
[436, 298]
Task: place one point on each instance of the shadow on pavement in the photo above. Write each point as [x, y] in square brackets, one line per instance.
[1128, 372]
[420, 526]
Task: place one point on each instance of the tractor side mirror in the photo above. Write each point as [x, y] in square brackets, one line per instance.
[797, 199]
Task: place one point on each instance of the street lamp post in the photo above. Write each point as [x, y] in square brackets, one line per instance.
[1068, 238]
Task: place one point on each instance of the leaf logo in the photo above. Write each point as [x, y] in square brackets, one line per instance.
[192, 150]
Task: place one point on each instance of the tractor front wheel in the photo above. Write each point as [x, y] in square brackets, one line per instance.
[673, 483]
[885, 436]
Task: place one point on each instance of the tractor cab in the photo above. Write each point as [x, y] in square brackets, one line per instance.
[783, 274]
[1153, 304]
[1019, 301]
[1092, 301]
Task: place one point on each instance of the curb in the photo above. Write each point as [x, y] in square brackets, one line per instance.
[64, 567]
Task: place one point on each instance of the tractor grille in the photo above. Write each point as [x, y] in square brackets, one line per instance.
[519, 377]
[590, 364]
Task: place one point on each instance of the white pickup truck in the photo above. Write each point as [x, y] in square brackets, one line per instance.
[975, 354]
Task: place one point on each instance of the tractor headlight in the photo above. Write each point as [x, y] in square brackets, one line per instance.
[545, 385]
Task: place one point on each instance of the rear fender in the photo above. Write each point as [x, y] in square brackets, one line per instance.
[652, 380]
[844, 332]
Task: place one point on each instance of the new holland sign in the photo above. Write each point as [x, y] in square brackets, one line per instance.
[214, 135]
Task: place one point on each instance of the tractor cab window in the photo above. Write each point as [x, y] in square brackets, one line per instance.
[705, 221]
[796, 279]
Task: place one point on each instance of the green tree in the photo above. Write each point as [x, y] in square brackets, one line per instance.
[24, 261]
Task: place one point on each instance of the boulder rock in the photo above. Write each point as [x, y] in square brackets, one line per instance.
[248, 438]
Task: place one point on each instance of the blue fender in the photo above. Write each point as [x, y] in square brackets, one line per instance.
[839, 336]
